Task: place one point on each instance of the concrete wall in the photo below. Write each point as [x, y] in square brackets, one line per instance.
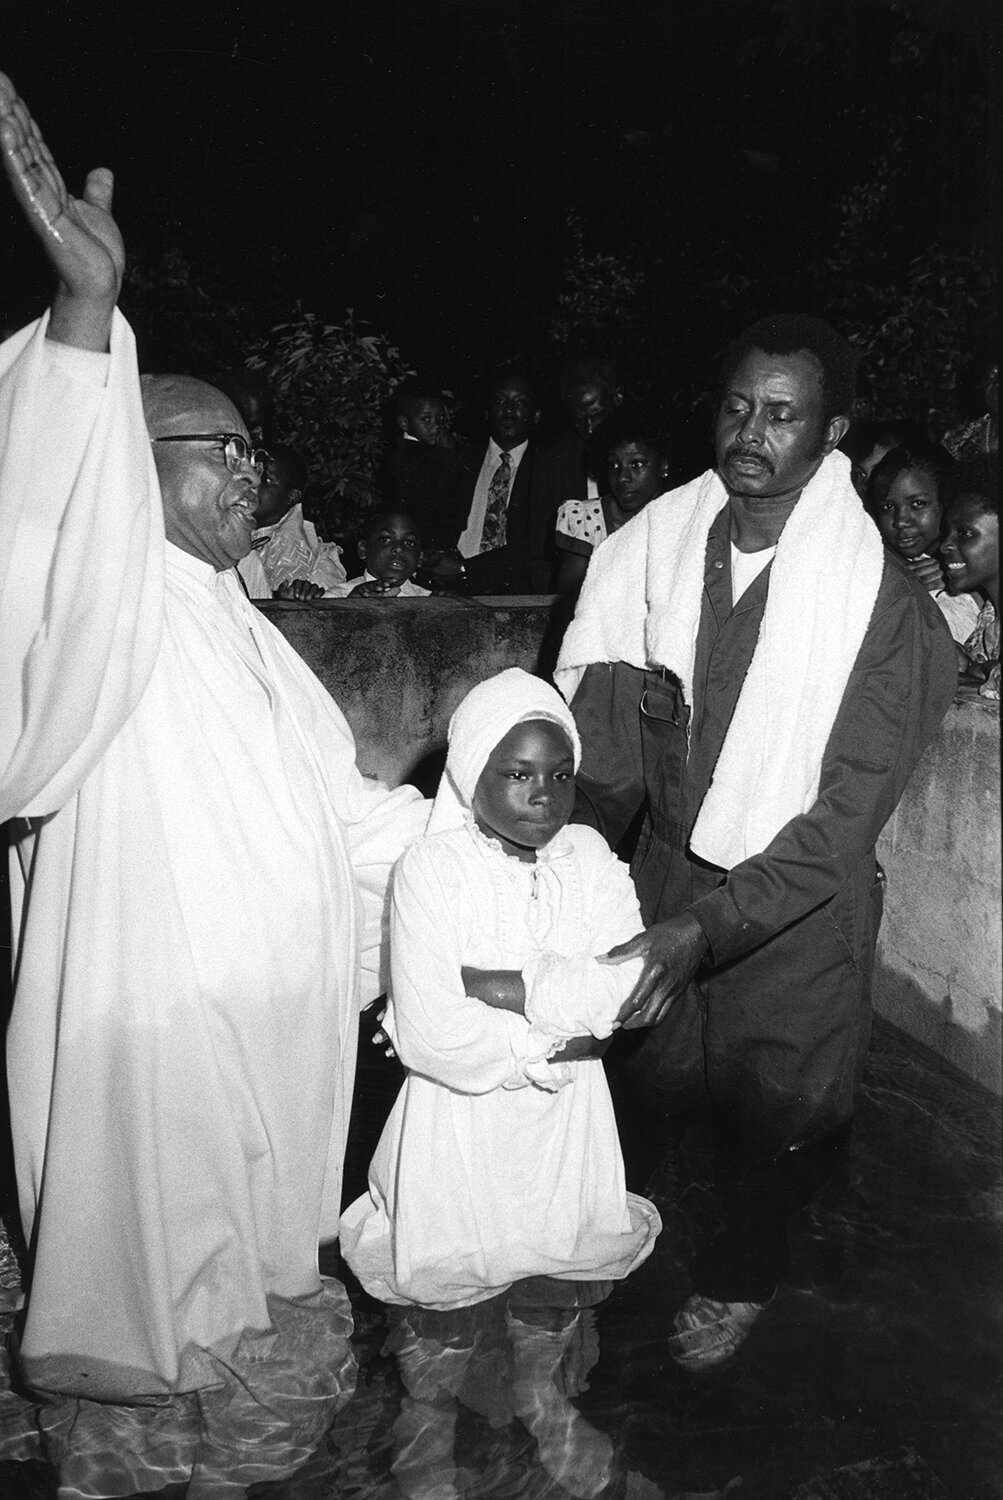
[939, 952]
[398, 669]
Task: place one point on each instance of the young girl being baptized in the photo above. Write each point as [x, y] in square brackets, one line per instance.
[500, 1161]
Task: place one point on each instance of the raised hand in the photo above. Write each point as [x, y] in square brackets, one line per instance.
[80, 237]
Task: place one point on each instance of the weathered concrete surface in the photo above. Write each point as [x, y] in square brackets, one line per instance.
[938, 973]
[398, 669]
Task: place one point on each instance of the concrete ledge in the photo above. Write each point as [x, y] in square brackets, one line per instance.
[399, 667]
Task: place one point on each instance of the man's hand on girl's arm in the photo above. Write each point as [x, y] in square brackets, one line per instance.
[672, 953]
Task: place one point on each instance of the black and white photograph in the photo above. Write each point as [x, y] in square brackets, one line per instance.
[500, 908]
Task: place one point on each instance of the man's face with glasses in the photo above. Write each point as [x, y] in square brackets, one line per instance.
[237, 450]
[209, 478]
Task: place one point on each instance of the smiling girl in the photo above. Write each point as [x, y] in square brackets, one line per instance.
[629, 456]
[903, 496]
[971, 553]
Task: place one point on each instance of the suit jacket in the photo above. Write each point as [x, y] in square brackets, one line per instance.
[521, 566]
[422, 481]
[559, 474]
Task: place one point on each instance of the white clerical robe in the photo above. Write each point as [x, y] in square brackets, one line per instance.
[200, 875]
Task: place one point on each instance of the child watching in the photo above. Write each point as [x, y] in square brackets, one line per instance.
[390, 547]
[971, 554]
[500, 1161]
[287, 557]
[422, 467]
[903, 497]
[630, 455]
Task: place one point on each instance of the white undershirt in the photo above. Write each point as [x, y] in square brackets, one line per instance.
[746, 568]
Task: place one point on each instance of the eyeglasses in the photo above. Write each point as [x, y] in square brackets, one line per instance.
[237, 451]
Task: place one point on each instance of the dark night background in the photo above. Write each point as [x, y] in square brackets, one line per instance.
[424, 164]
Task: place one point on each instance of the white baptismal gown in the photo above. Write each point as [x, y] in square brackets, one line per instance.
[496, 1164]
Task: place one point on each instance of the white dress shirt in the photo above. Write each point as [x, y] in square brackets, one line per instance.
[470, 542]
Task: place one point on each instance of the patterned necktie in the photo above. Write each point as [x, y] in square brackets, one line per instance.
[493, 534]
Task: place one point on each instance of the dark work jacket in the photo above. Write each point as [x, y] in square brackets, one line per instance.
[791, 930]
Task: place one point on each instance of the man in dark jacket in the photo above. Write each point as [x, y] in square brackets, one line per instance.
[763, 904]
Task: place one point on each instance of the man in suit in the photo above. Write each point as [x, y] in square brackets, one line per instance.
[496, 548]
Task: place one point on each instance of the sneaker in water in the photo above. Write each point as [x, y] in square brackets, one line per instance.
[709, 1333]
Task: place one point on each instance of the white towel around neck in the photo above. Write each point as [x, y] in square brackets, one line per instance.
[823, 583]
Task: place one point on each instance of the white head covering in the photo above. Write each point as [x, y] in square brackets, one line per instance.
[484, 718]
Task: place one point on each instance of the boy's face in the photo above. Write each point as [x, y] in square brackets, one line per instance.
[526, 791]
[861, 470]
[971, 546]
[909, 515]
[275, 498]
[636, 475]
[589, 405]
[392, 549]
[425, 420]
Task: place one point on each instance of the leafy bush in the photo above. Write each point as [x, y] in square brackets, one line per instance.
[917, 324]
[183, 320]
[331, 384]
[599, 304]
[917, 312]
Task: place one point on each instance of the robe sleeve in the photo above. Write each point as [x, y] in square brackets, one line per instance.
[437, 1030]
[568, 996]
[81, 561]
[377, 823]
[384, 824]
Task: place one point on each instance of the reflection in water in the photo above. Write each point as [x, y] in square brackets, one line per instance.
[476, 1402]
[887, 1335]
[499, 1363]
[270, 1409]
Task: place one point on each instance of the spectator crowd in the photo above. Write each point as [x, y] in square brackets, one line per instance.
[520, 508]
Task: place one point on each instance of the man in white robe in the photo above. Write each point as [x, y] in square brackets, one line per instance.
[199, 867]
